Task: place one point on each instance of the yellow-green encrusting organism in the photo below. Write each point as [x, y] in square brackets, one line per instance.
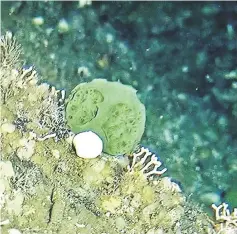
[111, 110]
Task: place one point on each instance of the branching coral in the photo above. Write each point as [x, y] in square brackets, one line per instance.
[10, 51]
[147, 162]
[48, 103]
[226, 221]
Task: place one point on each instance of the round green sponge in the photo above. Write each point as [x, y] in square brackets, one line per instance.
[111, 110]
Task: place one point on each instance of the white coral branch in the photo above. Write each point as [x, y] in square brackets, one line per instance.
[139, 160]
[223, 215]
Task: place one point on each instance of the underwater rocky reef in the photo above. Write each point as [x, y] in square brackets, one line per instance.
[184, 70]
[47, 188]
[189, 93]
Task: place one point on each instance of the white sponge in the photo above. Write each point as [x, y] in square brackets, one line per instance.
[88, 144]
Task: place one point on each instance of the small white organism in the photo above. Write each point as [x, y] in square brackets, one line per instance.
[88, 144]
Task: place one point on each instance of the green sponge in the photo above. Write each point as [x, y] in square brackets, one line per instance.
[111, 110]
